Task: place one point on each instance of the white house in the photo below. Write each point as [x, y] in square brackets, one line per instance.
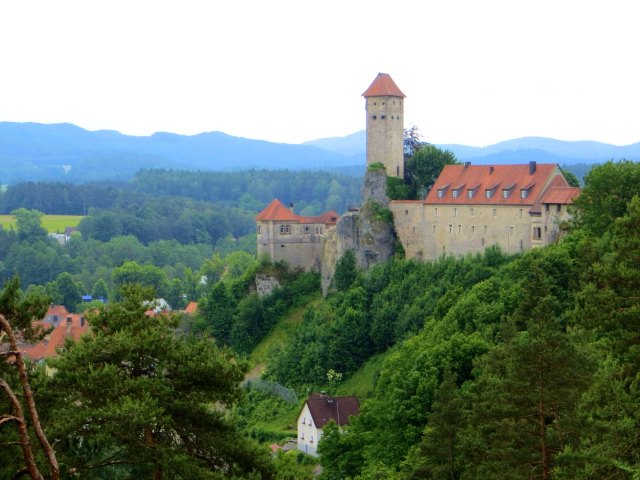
[316, 412]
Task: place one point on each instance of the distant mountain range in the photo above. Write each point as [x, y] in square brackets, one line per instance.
[65, 152]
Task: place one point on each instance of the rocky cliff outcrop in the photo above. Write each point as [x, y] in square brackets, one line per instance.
[368, 232]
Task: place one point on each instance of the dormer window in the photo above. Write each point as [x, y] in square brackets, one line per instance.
[471, 192]
[506, 192]
[441, 192]
[455, 193]
[524, 193]
[488, 193]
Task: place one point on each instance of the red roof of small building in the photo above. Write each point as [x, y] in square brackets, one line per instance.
[383, 86]
[74, 329]
[324, 408]
[480, 178]
[277, 212]
[191, 308]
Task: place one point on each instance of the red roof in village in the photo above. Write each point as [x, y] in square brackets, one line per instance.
[324, 408]
[74, 329]
[191, 308]
[383, 86]
[277, 212]
[497, 178]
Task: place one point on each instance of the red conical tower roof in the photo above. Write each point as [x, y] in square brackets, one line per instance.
[383, 86]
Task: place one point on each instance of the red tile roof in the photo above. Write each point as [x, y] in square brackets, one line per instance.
[383, 86]
[49, 346]
[277, 212]
[480, 178]
[560, 195]
[191, 308]
[324, 408]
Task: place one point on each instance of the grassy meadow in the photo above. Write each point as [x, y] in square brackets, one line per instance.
[52, 223]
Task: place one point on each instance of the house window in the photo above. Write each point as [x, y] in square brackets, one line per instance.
[285, 229]
[524, 193]
[302, 436]
[485, 229]
[303, 420]
[470, 193]
[558, 208]
[546, 207]
[455, 212]
[383, 117]
[441, 193]
[488, 193]
[455, 193]
[307, 229]
[459, 228]
[373, 117]
[506, 192]
[450, 228]
[537, 233]
[434, 229]
[471, 212]
[311, 439]
[435, 211]
[520, 213]
[473, 229]
[406, 212]
[495, 213]
[511, 230]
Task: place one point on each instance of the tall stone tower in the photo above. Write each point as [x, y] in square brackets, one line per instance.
[385, 131]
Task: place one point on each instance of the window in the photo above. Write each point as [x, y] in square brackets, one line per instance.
[285, 229]
[473, 229]
[485, 229]
[488, 193]
[259, 229]
[506, 192]
[434, 229]
[303, 421]
[537, 233]
[455, 212]
[373, 117]
[435, 211]
[450, 228]
[459, 228]
[511, 230]
[455, 193]
[520, 213]
[406, 212]
[470, 193]
[383, 117]
[546, 207]
[307, 229]
[495, 213]
[302, 436]
[471, 212]
[311, 439]
[441, 193]
[524, 193]
[558, 208]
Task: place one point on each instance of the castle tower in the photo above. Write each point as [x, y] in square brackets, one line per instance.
[385, 131]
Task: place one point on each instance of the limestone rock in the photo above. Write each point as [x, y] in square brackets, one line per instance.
[265, 284]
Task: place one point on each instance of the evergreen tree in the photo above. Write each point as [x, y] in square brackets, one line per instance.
[137, 397]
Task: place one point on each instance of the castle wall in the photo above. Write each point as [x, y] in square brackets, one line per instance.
[409, 222]
[300, 245]
[385, 136]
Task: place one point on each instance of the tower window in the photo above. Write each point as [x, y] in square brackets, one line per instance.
[383, 117]
[373, 117]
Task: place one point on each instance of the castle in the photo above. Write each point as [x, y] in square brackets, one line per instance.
[469, 208]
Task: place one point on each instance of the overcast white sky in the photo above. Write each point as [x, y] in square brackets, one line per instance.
[474, 72]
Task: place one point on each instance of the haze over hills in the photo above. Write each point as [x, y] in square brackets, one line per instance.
[65, 152]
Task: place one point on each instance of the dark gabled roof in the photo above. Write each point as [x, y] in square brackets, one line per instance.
[383, 86]
[324, 408]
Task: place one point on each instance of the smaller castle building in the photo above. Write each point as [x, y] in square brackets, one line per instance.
[295, 239]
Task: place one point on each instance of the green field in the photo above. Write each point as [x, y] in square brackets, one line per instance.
[52, 223]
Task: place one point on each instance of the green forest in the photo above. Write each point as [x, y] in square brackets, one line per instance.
[485, 366]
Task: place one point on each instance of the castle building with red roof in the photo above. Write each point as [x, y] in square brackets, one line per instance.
[471, 207]
[294, 239]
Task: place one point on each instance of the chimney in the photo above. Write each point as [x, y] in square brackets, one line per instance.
[532, 168]
[466, 164]
[490, 170]
[291, 207]
[68, 325]
[82, 321]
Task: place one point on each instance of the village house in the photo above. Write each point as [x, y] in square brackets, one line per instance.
[295, 239]
[316, 413]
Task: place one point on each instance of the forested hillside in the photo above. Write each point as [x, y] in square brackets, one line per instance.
[487, 366]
